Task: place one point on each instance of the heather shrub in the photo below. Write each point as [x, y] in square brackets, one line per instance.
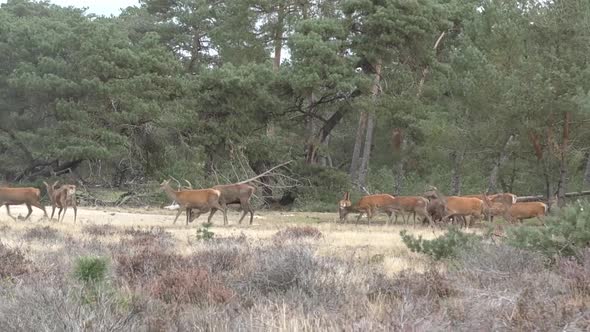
[45, 233]
[189, 285]
[13, 262]
[298, 232]
[204, 234]
[281, 267]
[133, 265]
[100, 230]
[566, 234]
[147, 237]
[222, 257]
[445, 246]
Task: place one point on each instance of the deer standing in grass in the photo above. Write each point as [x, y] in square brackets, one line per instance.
[416, 205]
[234, 194]
[496, 204]
[17, 196]
[459, 206]
[369, 205]
[61, 198]
[202, 200]
[526, 210]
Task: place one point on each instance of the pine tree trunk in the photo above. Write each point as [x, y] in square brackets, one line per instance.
[587, 173]
[278, 37]
[358, 142]
[493, 182]
[312, 129]
[370, 128]
[399, 177]
[457, 163]
[367, 151]
[562, 185]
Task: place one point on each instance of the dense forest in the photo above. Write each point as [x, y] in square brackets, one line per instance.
[385, 95]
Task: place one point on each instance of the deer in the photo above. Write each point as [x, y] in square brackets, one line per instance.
[526, 210]
[202, 200]
[62, 198]
[496, 204]
[416, 205]
[17, 196]
[459, 206]
[234, 194]
[367, 204]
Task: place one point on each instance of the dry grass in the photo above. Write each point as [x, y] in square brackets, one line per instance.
[278, 274]
[109, 226]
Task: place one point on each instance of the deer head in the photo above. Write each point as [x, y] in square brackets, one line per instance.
[344, 205]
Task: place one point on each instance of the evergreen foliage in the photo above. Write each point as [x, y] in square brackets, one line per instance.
[445, 246]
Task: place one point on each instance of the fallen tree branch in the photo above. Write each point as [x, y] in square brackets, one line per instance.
[535, 198]
[265, 173]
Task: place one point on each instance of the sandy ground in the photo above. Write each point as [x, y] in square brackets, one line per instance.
[363, 241]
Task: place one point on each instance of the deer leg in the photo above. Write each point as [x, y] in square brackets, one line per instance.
[177, 215]
[63, 216]
[224, 210]
[197, 215]
[359, 217]
[30, 211]
[59, 214]
[8, 211]
[213, 210]
[389, 215]
[52, 211]
[75, 213]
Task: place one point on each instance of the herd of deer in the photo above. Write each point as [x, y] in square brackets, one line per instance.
[61, 198]
[434, 207]
[431, 207]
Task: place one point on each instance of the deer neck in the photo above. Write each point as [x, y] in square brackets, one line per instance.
[171, 193]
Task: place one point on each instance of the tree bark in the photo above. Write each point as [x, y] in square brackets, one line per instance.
[587, 172]
[376, 89]
[457, 163]
[397, 144]
[358, 142]
[493, 181]
[367, 151]
[562, 185]
[278, 37]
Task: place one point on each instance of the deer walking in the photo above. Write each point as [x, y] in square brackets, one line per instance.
[61, 198]
[17, 196]
[202, 200]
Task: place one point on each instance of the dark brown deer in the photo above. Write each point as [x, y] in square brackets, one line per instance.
[234, 194]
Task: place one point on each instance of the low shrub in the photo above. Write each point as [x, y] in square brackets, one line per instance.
[222, 257]
[279, 268]
[13, 262]
[192, 285]
[45, 233]
[134, 265]
[204, 234]
[90, 269]
[445, 246]
[100, 230]
[148, 237]
[566, 234]
[297, 232]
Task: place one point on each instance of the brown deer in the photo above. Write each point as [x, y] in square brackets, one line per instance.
[61, 198]
[202, 200]
[416, 205]
[496, 204]
[369, 205]
[234, 194]
[17, 196]
[526, 210]
[460, 206]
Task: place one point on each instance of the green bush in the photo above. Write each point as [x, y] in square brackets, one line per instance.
[321, 188]
[204, 234]
[445, 246]
[565, 234]
[90, 269]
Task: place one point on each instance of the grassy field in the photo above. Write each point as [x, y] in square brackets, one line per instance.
[123, 269]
